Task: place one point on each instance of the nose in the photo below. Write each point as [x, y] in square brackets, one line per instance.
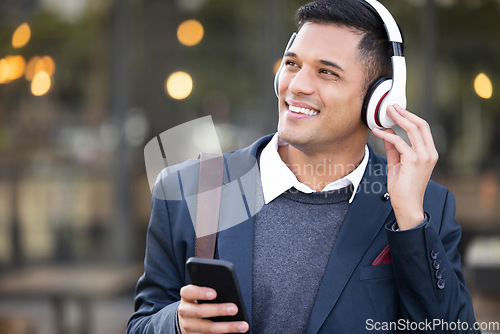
[301, 83]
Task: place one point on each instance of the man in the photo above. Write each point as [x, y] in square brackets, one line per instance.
[345, 242]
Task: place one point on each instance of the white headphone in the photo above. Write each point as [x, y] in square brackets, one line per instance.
[386, 90]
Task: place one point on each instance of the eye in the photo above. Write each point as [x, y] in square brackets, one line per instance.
[291, 63]
[328, 72]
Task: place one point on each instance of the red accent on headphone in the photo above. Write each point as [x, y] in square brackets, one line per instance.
[377, 109]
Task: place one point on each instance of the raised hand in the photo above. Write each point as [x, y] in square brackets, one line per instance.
[409, 165]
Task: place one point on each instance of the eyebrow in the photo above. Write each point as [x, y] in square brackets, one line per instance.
[332, 64]
[324, 62]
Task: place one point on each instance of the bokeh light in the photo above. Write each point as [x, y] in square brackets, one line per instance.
[38, 64]
[21, 36]
[11, 68]
[40, 84]
[179, 85]
[17, 64]
[31, 68]
[47, 64]
[483, 86]
[277, 65]
[4, 71]
[190, 32]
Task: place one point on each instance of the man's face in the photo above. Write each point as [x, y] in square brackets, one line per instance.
[321, 90]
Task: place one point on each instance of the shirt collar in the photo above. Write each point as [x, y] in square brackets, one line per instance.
[277, 178]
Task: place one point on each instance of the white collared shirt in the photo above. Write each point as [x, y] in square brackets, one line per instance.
[277, 178]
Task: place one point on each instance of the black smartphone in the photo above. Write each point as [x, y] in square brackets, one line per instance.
[220, 276]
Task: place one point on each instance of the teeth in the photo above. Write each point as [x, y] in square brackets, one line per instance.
[302, 110]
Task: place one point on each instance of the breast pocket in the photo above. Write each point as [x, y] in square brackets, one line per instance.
[380, 290]
[383, 271]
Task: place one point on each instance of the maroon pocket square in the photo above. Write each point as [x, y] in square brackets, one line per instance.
[384, 257]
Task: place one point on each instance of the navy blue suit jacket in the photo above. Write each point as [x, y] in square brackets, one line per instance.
[354, 296]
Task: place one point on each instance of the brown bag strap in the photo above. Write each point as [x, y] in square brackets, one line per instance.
[208, 204]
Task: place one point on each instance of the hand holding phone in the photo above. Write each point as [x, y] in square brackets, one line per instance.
[213, 303]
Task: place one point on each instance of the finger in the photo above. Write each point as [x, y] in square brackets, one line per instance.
[399, 146]
[425, 132]
[423, 126]
[208, 326]
[411, 128]
[194, 292]
[393, 155]
[205, 310]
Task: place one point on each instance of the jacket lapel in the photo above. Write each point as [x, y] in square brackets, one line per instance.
[242, 186]
[367, 214]
[236, 245]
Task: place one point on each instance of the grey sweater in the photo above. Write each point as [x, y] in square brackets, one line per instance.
[293, 238]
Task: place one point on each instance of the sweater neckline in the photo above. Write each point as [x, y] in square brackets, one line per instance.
[320, 197]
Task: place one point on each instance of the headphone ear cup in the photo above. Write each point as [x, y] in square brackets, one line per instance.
[277, 76]
[277, 79]
[370, 112]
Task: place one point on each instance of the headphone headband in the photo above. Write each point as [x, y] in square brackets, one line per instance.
[393, 32]
[391, 27]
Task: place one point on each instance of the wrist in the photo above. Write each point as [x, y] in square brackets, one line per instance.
[409, 220]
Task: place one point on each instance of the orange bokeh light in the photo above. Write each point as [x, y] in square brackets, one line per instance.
[21, 36]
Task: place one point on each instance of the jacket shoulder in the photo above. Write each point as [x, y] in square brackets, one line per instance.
[180, 180]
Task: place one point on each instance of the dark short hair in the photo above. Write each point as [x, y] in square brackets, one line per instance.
[375, 50]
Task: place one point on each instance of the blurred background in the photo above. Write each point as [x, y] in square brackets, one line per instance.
[84, 85]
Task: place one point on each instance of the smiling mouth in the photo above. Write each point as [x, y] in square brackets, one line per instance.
[301, 110]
